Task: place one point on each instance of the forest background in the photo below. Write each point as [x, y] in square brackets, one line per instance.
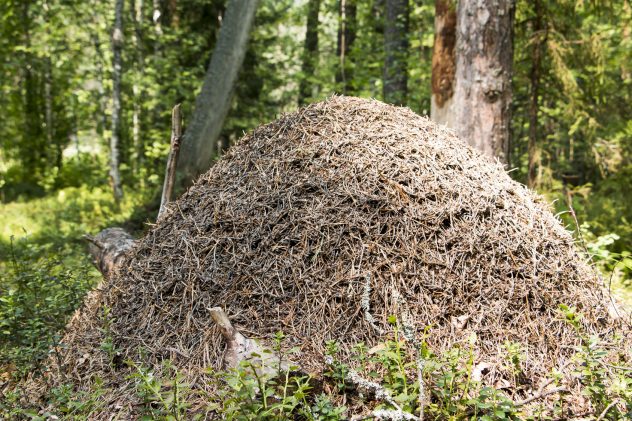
[571, 120]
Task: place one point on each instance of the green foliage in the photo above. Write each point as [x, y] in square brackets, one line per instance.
[607, 386]
[254, 391]
[64, 400]
[45, 270]
[451, 391]
[584, 132]
[165, 396]
[37, 295]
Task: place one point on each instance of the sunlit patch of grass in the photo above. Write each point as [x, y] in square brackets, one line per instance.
[57, 223]
[622, 292]
[68, 212]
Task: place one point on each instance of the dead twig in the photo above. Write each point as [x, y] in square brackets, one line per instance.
[172, 160]
[605, 411]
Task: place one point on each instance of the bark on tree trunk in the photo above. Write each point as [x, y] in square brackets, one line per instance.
[48, 100]
[199, 145]
[347, 11]
[136, 12]
[310, 52]
[174, 17]
[443, 63]
[484, 54]
[30, 94]
[395, 76]
[99, 64]
[156, 17]
[537, 39]
[108, 247]
[117, 46]
[102, 100]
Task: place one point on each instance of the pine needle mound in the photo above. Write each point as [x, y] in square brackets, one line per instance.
[345, 206]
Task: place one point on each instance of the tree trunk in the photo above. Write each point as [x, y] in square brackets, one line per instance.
[156, 17]
[199, 145]
[310, 52]
[443, 62]
[537, 40]
[101, 100]
[136, 12]
[48, 101]
[347, 11]
[34, 158]
[484, 54]
[395, 76]
[117, 46]
[174, 17]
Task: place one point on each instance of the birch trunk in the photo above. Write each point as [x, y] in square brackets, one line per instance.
[443, 63]
[199, 145]
[117, 46]
[156, 17]
[48, 102]
[484, 54]
[347, 11]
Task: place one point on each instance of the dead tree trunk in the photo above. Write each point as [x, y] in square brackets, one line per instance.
[443, 62]
[117, 46]
[199, 145]
[484, 55]
[172, 159]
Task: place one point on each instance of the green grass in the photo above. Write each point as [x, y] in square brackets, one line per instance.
[67, 213]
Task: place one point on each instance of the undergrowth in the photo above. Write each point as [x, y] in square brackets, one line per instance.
[37, 295]
[45, 269]
[399, 379]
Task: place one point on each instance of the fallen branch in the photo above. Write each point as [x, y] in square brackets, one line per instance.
[240, 348]
[380, 393]
[605, 411]
[541, 395]
[108, 247]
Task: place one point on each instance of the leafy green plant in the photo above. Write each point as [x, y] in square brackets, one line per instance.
[335, 371]
[396, 362]
[37, 295]
[165, 396]
[253, 392]
[607, 386]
